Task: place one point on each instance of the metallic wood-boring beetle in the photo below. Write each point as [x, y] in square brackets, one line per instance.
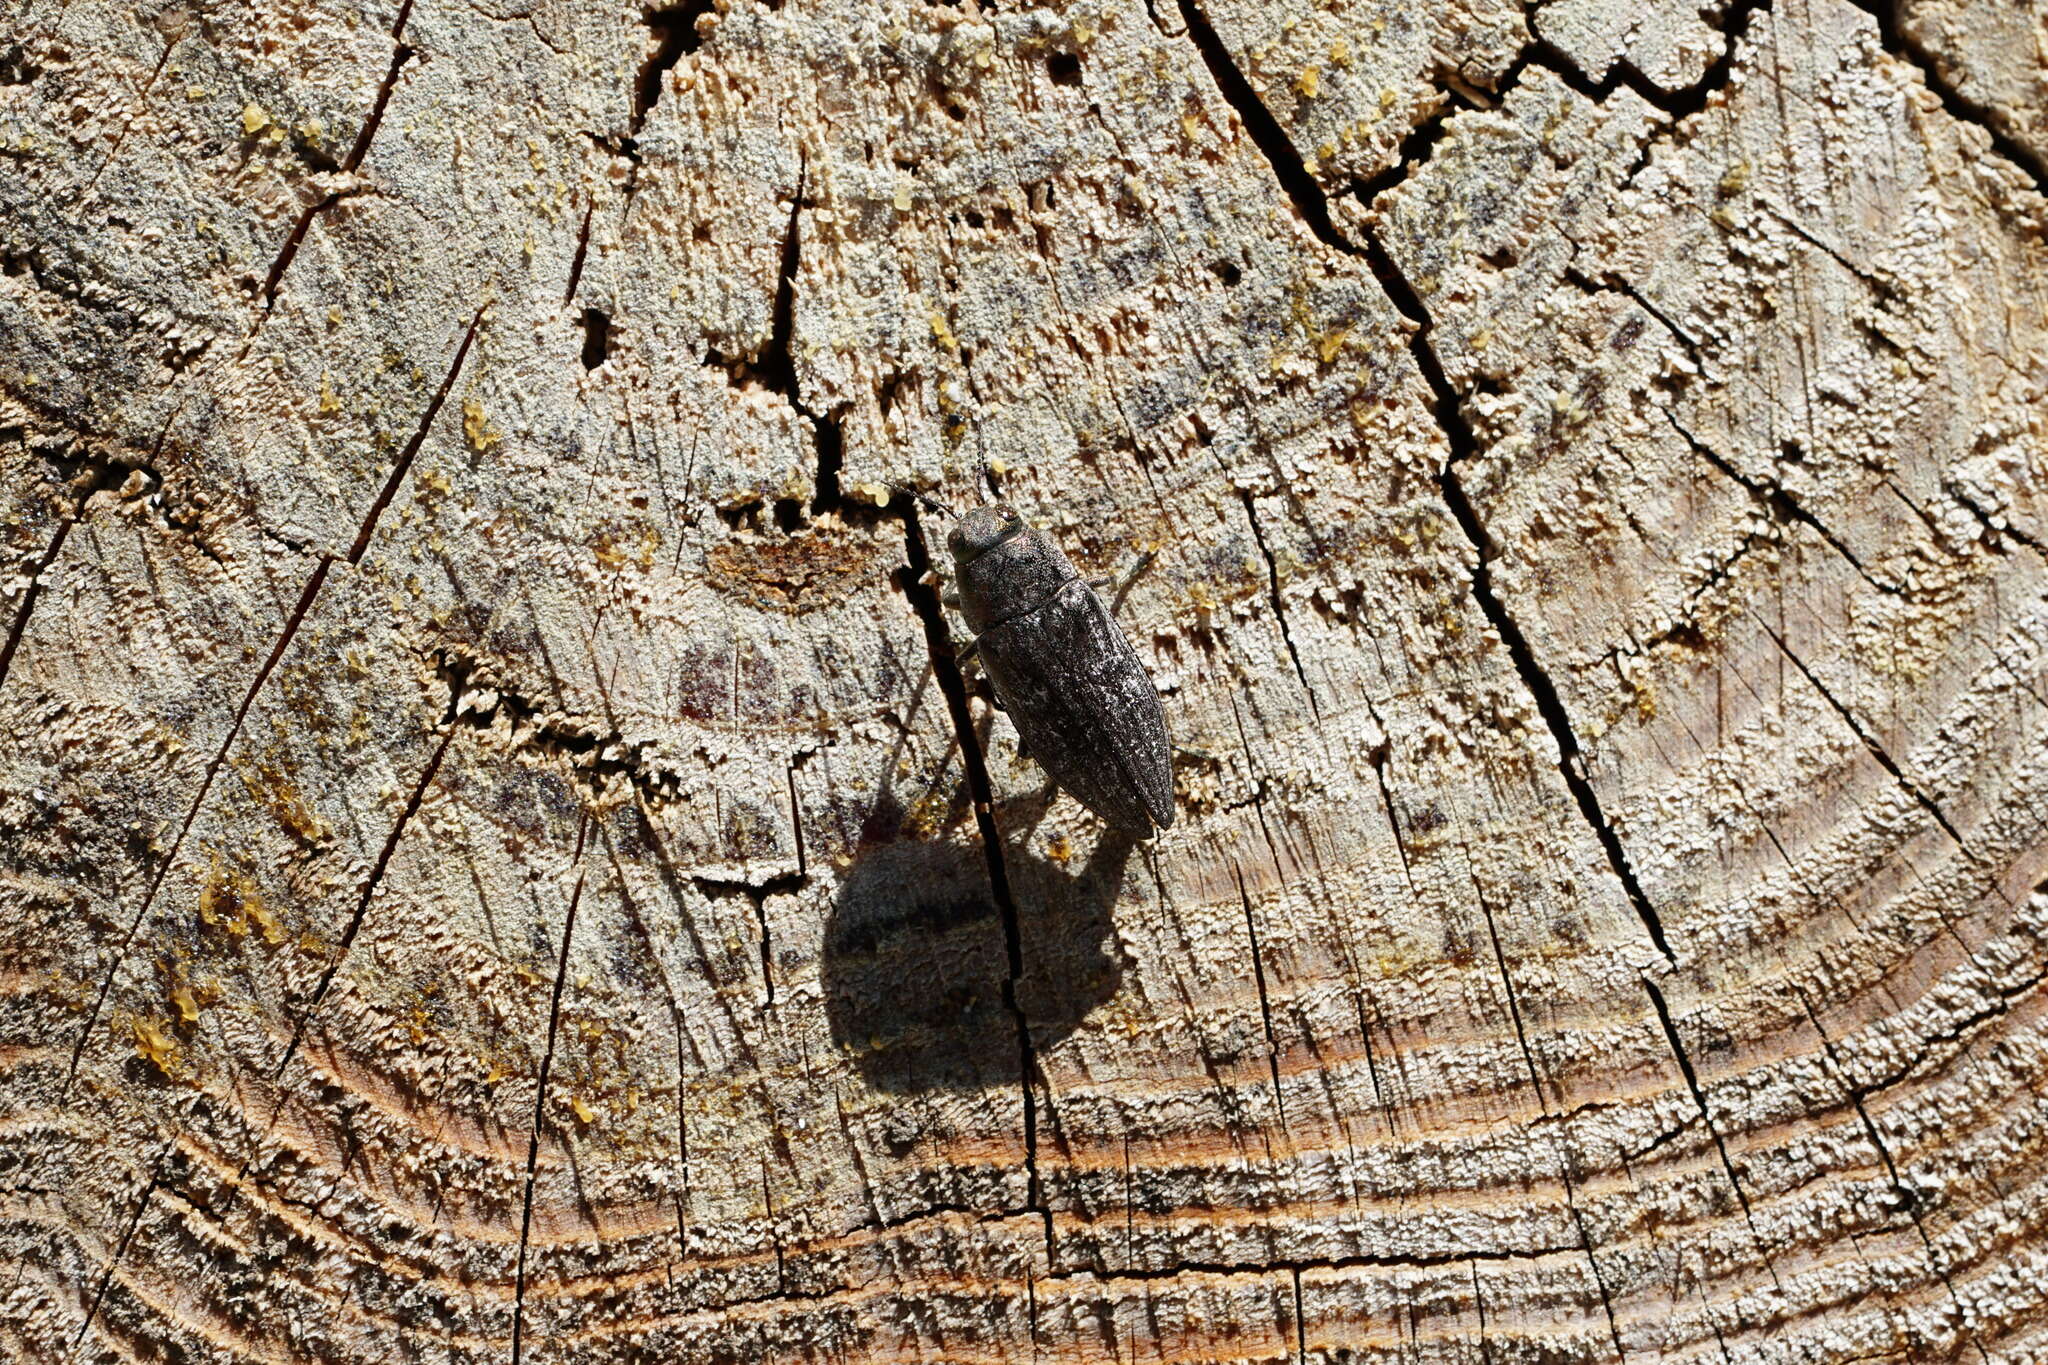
[1064, 670]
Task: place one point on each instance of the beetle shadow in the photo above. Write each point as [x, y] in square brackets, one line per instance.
[915, 960]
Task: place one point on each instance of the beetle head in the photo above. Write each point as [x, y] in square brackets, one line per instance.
[980, 530]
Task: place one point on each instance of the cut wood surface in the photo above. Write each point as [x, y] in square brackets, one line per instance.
[501, 861]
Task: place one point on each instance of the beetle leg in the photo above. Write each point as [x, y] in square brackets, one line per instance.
[1122, 584]
[966, 651]
[950, 598]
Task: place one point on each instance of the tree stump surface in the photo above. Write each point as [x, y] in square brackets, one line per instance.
[502, 861]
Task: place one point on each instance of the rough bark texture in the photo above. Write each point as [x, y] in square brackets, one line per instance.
[494, 863]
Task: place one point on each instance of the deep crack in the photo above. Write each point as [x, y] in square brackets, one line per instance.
[401, 53]
[924, 600]
[540, 1090]
[1251, 513]
[1314, 208]
[1266, 132]
[1464, 444]
[1959, 106]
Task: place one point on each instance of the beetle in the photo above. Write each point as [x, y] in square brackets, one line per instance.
[1063, 669]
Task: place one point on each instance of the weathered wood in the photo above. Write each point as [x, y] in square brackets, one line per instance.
[492, 861]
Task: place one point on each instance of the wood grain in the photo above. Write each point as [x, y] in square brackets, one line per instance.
[502, 861]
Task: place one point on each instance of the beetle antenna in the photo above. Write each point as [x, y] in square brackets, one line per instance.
[927, 499]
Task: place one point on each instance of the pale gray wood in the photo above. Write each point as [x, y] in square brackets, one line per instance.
[491, 865]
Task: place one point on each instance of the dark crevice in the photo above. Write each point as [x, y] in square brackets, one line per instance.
[1958, 105]
[1279, 610]
[897, 1221]
[1631, 1156]
[1613, 281]
[758, 892]
[1300, 1325]
[292, 623]
[1699, 1098]
[774, 368]
[776, 365]
[1782, 506]
[576, 268]
[1904, 1193]
[675, 32]
[1677, 105]
[362, 907]
[1266, 132]
[924, 600]
[1869, 741]
[1379, 757]
[597, 337]
[1685, 630]
[1571, 1203]
[781, 884]
[1310, 202]
[1540, 52]
[617, 144]
[830, 431]
[1984, 519]
[540, 1093]
[1464, 444]
[1251, 929]
[600, 756]
[1414, 152]
[99, 1296]
[1550, 705]
[1507, 983]
[401, 53]
[1998, 1005]
[28, 597]
[1882, 289]
[292, 242]
[412, 447]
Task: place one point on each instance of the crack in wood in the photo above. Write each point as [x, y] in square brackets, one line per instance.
[1313, 207]
[675, 1013]
[1612, 281]
[293, 240]
[1265, 130]
[362, 906]
[361, 148]
[540, 1092]
[401, 53]
[1782, 506]
[479, 702]
[675, 31]
[1902, 45]
[1868, 740]
[284, 639]
[1265, 1004]
[149, 1189]
[412, 447]
[29, 595]
[1699, 1098]
[576, 278]
[1540, 53]
[924, 601]
[1279, 607]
